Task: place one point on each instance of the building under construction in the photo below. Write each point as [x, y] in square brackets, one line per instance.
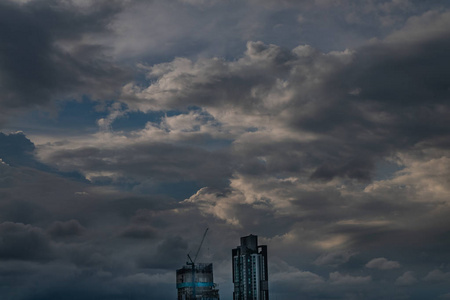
[196, 283]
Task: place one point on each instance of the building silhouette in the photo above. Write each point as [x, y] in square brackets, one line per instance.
[200, 275]
[250, 276]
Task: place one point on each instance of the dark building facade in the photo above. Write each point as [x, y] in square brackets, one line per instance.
[250, 274]
[205, 288]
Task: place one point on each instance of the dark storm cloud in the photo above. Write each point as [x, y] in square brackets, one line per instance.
[23, 242]
[406, 85]
[66, 229]
[142, 161]
[401, 95]
[67, 251]
[43, 57]
[154, 30]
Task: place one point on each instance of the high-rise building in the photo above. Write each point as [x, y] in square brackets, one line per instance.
[201, 277]
[250, 276]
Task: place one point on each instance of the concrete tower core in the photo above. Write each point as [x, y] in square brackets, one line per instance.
[205, 288]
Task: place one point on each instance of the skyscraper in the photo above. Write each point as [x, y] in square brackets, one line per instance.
[250, 276]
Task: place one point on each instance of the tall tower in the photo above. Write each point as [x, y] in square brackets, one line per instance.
[250, 276]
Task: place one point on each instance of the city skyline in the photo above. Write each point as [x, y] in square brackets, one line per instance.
[127, 127]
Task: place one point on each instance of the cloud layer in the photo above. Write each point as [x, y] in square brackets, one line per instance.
[320, 126]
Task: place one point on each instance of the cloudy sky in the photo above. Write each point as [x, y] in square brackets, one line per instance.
[129, 126]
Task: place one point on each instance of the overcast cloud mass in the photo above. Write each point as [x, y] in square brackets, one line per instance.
[129, 126]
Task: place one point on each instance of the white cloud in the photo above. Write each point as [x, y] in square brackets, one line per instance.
[437, 276]
[423, 180]
[382, 264]
[342, 279]
[406, 279]
[427, 26]
[334, 258]
[217, 204]
[331, 242]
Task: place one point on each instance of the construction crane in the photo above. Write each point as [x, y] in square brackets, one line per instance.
[192, 263]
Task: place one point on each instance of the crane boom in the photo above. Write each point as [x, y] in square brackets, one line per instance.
[192, 263]
[201, 243]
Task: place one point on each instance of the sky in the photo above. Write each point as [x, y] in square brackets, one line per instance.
[128, 127]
